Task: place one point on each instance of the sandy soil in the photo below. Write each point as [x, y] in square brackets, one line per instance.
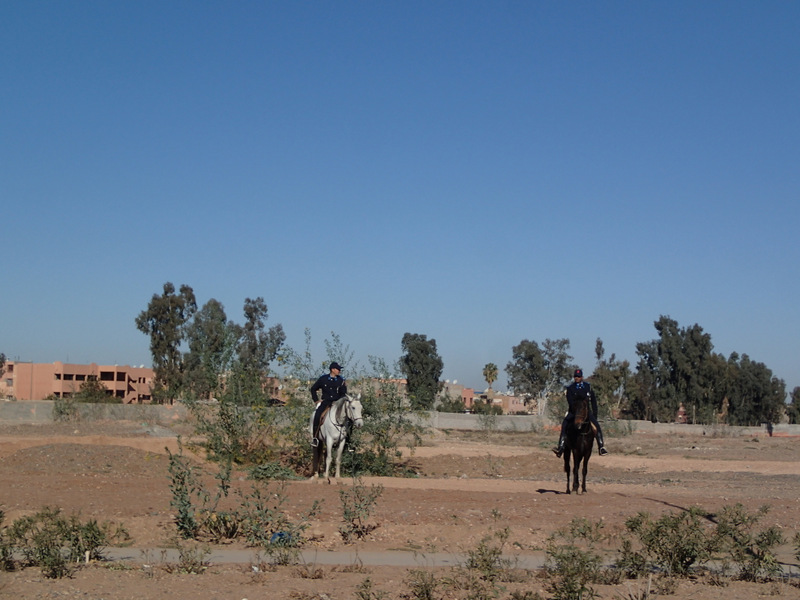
[469, 485]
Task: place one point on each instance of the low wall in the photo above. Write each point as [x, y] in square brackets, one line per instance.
[473, 422]
[41, 411]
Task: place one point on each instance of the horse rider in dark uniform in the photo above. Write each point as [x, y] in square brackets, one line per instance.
[580, 389]
[333, 387]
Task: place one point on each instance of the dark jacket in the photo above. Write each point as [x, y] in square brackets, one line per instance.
[581, 390]
[332, 388]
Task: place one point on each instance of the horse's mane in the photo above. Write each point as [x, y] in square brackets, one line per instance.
[581, 411]
[341, 409]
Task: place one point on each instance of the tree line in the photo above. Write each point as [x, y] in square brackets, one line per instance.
[198, 353]
[679, 367]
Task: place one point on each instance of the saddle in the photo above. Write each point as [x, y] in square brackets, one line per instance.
[322, 417]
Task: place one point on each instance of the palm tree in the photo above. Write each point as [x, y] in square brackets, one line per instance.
[490, 374]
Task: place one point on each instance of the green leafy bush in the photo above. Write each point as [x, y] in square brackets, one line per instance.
[749, 549]
[57, 543]
[358, 504]
[675, 542]
[573, 561]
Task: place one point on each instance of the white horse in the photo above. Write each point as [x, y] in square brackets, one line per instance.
[334, 426]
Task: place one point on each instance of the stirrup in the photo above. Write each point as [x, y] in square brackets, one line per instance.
[558, 451]
[314, 442]
[603, 451]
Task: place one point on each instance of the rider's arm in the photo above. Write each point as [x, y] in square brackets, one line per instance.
[314, 388]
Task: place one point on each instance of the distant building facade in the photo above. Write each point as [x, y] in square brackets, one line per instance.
[509, 404]
[37, 381]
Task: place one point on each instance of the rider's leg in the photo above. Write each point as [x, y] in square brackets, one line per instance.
[315, 428]
[562, 439]
[601, 445]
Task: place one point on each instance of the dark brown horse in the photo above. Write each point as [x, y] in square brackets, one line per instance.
[580, 440]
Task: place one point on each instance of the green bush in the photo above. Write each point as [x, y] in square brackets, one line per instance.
[358, 504]
[259, 517]
[57, 543]
[573, 561]
[64, 409]
[675, 542]
[272, 470]
[374, 449]
[750, 550]
[796, 543]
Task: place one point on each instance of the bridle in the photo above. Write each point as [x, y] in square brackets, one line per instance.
[347, 424]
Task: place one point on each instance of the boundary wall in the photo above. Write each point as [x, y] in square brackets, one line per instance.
[41, 411]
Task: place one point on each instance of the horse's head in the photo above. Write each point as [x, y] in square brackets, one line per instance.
[581, 411]
[354, 409]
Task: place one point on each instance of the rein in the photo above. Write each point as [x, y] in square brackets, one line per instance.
[348, 420]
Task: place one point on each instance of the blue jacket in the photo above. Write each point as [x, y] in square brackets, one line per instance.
[581, 390]
[332, 388]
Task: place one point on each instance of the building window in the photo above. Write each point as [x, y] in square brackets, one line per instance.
[106, 376]
[58, 376]
[120, 376]
[68, 376]
[80, 377]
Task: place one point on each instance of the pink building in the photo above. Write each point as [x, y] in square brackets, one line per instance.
[37, 381]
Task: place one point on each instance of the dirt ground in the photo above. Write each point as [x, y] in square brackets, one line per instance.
[470, 484]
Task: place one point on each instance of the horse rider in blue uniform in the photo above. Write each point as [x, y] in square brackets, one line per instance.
[580, 389]
[333, 387]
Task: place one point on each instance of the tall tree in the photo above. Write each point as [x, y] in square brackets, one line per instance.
[490, 373]
[212, 341]
[609, 379]
[256, 349]
[793, 410]
[2, 363]
[558, 365]
[526, 370]
[678, 367]
[422, 367]
[258, 346]
[755, 395]
[539, 374]
[164, 321]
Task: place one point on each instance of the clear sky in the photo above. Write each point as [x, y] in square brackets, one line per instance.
[478, 172]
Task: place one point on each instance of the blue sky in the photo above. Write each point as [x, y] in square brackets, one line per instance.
[478, 172]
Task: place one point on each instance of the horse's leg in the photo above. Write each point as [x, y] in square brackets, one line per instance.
[328, 457]
[315, 461]
[576, 464]
[585, 470]
[567, 454]
[339, 451]
[315, 450]
[586, 456]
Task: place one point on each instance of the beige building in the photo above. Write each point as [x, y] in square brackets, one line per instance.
[37, 381]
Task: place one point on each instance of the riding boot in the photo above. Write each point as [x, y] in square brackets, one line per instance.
[315, 432]
[601, 445]
[562, 441]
